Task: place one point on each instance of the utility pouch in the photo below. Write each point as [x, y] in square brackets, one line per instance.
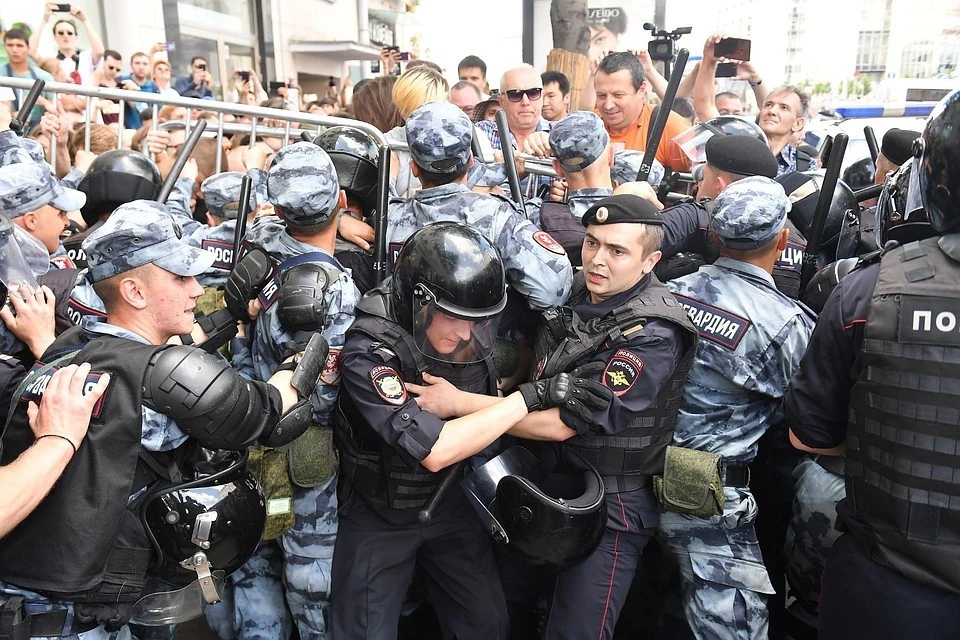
[312, 458]
[691, 483]
[269, 467]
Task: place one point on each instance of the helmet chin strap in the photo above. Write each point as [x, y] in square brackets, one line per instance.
[199, 562]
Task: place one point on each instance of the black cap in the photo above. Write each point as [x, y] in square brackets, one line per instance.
[742, 155]
[625, 207]
[897, 145]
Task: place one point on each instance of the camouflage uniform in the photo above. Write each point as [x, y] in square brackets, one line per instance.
[25, 187]
[159, 432]
[302, 184]
[626, 166]
[752, 339]
[811, 534]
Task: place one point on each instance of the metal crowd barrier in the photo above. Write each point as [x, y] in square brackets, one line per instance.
[534, 165]
[122, 97]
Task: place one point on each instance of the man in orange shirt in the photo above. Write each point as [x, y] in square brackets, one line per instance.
[622, 105]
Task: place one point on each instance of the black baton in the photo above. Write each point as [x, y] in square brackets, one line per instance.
[246, 186]
[425, 515]
[872, 143]
[19, 124]
[509, 162]
[653, 140]
[380, 222]
[868, 193]
[827, 187]
[181, 160]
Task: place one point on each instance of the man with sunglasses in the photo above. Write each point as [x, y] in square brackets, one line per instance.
[197, 84]
[76, 63]
[521, 98]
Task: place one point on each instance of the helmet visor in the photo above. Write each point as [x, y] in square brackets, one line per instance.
[453, 335]
[693, 141]
[21, 256]
[174, 607]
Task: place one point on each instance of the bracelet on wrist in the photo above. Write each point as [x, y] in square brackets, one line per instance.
[62, 437]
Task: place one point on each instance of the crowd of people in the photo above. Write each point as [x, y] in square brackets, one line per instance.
[581, 408]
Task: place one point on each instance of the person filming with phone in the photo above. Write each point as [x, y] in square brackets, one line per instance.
[198, 83]
[77, 63]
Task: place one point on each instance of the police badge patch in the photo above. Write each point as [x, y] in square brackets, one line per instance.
[387, 384]
[331, 368]
[622, 371]
[546, 241]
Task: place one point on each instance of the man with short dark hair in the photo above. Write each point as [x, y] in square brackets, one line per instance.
[466, 97]
[137, 79]
[197, 84]
[474, 70]
[728, 104]
[622, 104]
[19, 66]
[556, 95]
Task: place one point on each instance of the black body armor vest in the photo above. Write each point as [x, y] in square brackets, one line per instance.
[903, 436]
[387, 483]
[567, 342]
[83, 543]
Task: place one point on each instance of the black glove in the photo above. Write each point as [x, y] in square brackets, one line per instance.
[245, 282]
[577, 395]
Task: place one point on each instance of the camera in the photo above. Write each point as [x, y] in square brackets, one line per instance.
[202, 67]
[663, 46]
[244, 75]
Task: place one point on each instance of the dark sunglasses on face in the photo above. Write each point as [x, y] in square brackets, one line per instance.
[66, 33]
[516, 95]
[200, 67]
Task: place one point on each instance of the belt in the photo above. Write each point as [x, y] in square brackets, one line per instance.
[624, 484]
[736, 475]
[834, 464]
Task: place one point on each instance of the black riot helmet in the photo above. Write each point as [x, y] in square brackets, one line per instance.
[203, 529]
[115, 178]
[898, 218]
[449, 281]
[939, 165]
[693, 141]
[803, 190]
[549, 515]
[355, 155]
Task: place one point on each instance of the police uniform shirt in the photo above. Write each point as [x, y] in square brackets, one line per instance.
[635, 368]
[818, 400]
[376, 389]
[536, 265]
[751, 340]
[11, 374]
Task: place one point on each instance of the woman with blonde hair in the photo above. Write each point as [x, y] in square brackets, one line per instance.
[414, 88]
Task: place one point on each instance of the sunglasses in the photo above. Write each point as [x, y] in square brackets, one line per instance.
[66, 33]
[112, 68]
[200, 67]
[516, 95]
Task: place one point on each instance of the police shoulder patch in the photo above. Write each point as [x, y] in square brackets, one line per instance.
[715, 324]
[388, 385]
[546, 241]
[331, 368]
[622, 371]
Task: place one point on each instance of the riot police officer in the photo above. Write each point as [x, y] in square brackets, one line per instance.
[428, 329]
[79, 561]
[881, 397]
[752, 339]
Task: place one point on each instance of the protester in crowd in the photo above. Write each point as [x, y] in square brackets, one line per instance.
[556, 95]
[19, 66]
[197, 84]
[161, 77]
[465, 96]
[79, 63]
[473, 69]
